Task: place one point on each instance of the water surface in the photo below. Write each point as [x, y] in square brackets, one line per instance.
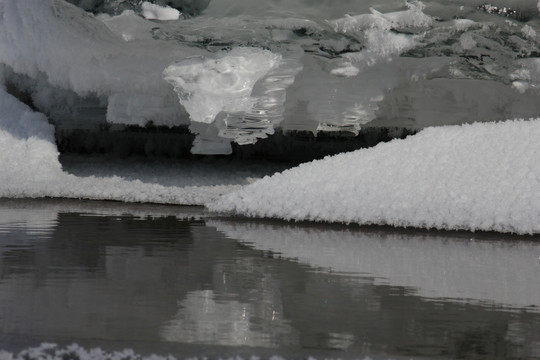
[169, 279]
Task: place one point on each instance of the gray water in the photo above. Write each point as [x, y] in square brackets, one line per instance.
[175, 280]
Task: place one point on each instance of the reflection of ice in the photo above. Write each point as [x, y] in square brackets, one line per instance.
[204, 319]
[438, 267]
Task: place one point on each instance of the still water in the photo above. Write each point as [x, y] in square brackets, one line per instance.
[177, 280]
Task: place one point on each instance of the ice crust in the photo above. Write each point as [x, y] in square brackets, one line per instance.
[473, 177]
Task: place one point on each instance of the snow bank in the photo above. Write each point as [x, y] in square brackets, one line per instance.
[27, 148]
[29, 167]
[474, 177]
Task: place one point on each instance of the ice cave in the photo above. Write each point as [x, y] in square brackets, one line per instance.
[403, 113]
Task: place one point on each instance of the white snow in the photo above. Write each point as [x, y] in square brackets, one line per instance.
[70, 60]
[155, 12]
[53, 351]
[66, 48]
[528, 32]
[376, 30]
[474, 177]
[467, 41]
[74, 351]
[463, 24]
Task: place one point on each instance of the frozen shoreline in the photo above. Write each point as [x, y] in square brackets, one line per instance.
[472, 177]
[412, 65]
[483, 176]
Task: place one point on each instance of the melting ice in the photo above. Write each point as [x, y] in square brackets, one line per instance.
[235, 72]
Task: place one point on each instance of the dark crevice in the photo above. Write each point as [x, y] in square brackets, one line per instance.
[175, 142]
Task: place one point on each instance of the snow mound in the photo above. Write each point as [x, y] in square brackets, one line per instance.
[29, 168]
[474, 177]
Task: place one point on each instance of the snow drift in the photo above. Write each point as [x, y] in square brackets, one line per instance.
[473, 177]
[29, 168]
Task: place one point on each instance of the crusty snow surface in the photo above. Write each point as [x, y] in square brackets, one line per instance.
[483, 176]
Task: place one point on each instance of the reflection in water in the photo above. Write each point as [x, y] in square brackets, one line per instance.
[203, 319]
[435, 265]
[156, 275]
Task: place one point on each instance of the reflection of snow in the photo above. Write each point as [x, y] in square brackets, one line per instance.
[438, 267]
[30, 221]
[204, 319]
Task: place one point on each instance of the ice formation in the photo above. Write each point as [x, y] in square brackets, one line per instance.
[473, 177]
[328, 67]
[241, 92]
